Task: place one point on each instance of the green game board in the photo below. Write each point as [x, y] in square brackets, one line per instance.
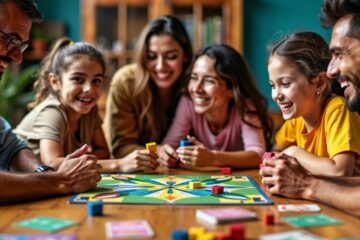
[172, 189]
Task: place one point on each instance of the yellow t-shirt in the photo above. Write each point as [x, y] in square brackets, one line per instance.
[337, 131]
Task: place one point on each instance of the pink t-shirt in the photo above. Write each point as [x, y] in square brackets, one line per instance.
[236, 136]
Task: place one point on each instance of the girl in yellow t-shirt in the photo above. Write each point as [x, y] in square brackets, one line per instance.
[319, 129]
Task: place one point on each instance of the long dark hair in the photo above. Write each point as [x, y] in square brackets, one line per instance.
[233, 69]
[151, 122]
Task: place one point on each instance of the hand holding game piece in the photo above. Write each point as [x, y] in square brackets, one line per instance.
[168, 156]
[139, 160]
[285, 176]
[196, 156]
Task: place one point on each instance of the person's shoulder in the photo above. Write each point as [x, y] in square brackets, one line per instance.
[335, 103]
[124, 74]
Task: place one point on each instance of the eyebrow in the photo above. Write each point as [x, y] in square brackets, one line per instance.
[16, 35]
[84, 74]
[169, 51]
[335, 48]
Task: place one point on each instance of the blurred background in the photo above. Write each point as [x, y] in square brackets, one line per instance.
[114, 25]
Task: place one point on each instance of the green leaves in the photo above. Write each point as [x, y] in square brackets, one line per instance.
[15, 93]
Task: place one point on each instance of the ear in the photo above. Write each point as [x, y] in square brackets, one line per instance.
[54, 82]
[321, 82]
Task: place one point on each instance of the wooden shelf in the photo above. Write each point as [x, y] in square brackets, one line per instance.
[111, 23]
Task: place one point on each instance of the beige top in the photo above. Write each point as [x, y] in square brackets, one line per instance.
[121, 125]
[48, 120]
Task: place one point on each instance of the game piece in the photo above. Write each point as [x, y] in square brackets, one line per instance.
[223, 236]
[195, 185]
[267, 155]
[268, 219]
[38, 237]
[217, 189]
[207, 236]
[184, 143]
[46, 224]
[174, 189]
[311, 220]
[94, 208]
[224, 215]
[129, 229]
[237, 231]
[196, 232]
[294, 235]
[179, 234]
[226, 171]
[298, 208]
[261, 166]
[151, 147]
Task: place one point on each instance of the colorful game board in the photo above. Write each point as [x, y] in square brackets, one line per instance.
[162, 189]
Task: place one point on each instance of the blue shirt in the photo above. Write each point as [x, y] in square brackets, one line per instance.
[9, 144]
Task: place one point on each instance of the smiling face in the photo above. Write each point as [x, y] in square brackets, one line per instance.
[165, 59]
[345, 62]
[208, 92]
[291, 89]
[16, 24]
[80, 86]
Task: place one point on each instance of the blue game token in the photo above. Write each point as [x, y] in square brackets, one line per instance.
[179, 234]
[184, 143]
[94, 208]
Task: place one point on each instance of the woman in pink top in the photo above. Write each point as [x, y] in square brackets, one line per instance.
[225, 113]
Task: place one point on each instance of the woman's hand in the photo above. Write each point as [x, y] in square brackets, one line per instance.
[167, 156]
[139, 160]
[196, 155]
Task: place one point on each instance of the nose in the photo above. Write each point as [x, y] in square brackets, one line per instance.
[160, 63]
[87, 87]
[333, 69]
[15, 55]
[276, 94]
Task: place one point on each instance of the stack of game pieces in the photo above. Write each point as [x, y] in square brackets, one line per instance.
[236, 232]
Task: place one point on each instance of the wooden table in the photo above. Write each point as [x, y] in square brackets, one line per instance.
[163, 218]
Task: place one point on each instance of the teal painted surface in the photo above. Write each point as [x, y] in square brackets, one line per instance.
[67, 11]
[268, 20]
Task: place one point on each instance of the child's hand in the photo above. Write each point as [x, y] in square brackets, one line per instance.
[167, 156]
[139, 160]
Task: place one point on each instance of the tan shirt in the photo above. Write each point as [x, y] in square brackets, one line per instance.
[48, 120]
[122, 113]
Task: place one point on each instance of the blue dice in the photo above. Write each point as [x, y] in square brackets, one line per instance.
[95, 208]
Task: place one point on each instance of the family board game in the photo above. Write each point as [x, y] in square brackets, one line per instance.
[174, 189]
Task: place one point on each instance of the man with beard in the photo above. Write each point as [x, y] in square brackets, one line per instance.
[282, 174]
[22, 176]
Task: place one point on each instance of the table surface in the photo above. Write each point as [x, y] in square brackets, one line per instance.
[164, 218]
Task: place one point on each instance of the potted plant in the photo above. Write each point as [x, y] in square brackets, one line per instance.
[39, 40]
[14, 95]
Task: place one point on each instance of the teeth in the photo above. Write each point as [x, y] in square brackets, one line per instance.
[86, 100]
[199, 100]
[344, 84]
[163, 75]
[285, 105]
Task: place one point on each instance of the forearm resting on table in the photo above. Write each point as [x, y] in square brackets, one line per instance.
[330, 192]
[21, 187]
[322, 165]
[239, 159]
